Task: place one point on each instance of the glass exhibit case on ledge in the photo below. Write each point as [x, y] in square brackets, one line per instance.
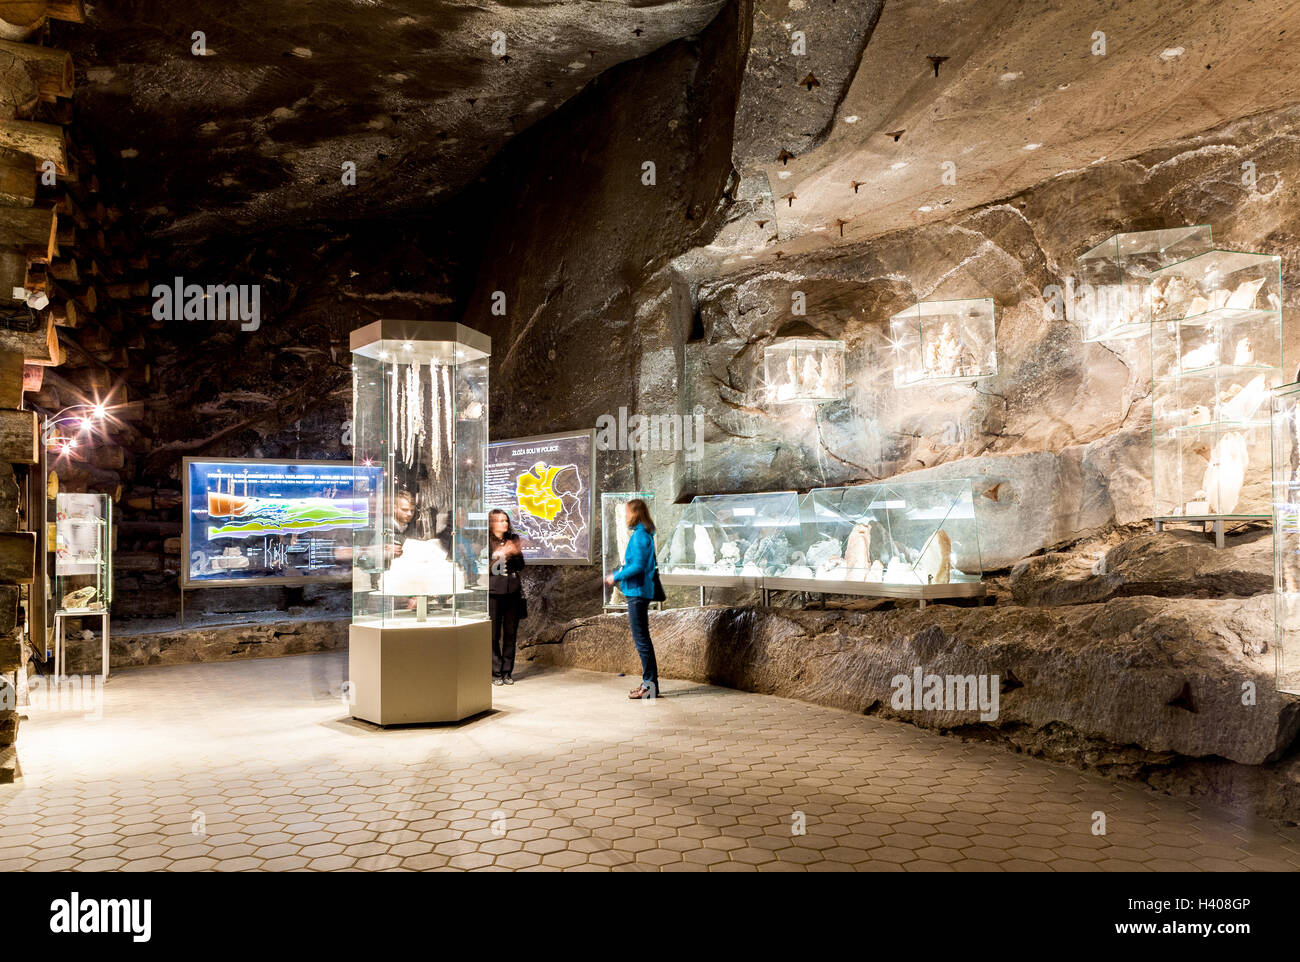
[83, 567]
[917, 539]
[939, 341]
[1112, 300]
[1286, 536]
[730, 540]
[803, 369]
[420, 641]
[1216, 353]
[613, 537]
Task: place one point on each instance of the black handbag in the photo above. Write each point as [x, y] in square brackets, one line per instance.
[659, 594]
[523, 606]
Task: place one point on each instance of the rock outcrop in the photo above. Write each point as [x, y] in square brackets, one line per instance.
[1169, 564]
[1134, 678]
[197, 643]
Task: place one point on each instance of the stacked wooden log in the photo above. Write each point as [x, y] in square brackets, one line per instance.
[36, 170]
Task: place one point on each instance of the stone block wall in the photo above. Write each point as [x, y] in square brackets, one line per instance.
[17, 550]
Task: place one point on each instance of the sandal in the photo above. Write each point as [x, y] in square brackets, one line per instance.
[638, 693]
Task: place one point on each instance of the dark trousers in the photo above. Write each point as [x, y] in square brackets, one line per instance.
[504, 610]
[638, 618]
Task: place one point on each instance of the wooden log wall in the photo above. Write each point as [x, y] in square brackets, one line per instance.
[52, 224]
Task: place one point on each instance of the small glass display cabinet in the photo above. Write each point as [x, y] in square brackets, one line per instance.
[1112, 301]
[940, 341]
[420, 639]
[83, 567]
[916, 539]
[730, 540]
[803, 369]
[1216, 354]
[614, 535]
[1286, 536]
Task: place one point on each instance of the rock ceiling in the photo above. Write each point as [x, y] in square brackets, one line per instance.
[898, 113]
[1026, 90]
[254, 133]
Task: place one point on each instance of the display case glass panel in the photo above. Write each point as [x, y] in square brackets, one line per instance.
[803, 369]
[1112, 301]
[1286, 536]
[1212, 371]
[420, 403]
[614, 535]
[892, 533]
[83, 552]
[741, 535]
[937, 341]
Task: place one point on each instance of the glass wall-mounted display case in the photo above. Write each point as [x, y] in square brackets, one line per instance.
[420, 414]
[1216, 353]
[420, 641]
[83, 553]
[1112, 299]
[803, 369]
[938, 341]
[613, 536]
[1286, 536]
[730, 540]
[894, 539]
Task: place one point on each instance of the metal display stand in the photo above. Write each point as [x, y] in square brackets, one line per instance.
[869, 589]
[1207, 519]
[877, 589]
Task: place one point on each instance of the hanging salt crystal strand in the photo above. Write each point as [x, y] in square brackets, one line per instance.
[435, 436]
[406, 413]
[417, 398]
[399, 399]
[413, 413]
[394, 439]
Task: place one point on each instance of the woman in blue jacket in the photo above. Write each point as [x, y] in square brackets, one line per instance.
[635, 578]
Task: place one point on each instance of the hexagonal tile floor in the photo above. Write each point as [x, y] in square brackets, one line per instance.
[255, 765]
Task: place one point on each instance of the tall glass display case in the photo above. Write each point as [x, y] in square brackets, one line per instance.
[613, 537]
[916, 539]
[1216, 352]
[730, 540]
[83, 553]
[939, 341]
[1285, 430]
[803, 369]
[420, 641]
[1112, 299]
[83, 567]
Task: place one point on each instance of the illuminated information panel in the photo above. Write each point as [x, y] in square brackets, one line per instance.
[545, 483]
[273, 522]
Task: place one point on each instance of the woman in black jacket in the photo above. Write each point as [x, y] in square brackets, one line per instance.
[505, 594]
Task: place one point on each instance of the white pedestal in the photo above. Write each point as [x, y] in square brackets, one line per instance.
[429, 673]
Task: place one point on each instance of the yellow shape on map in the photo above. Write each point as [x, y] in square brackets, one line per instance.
[534, 493]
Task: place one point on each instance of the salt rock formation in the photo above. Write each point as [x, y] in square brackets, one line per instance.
[1142, 652]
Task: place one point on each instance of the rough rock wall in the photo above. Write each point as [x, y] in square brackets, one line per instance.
[1058, 440]
[1151, 674]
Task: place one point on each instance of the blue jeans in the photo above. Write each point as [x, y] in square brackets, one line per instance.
[638, 619]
